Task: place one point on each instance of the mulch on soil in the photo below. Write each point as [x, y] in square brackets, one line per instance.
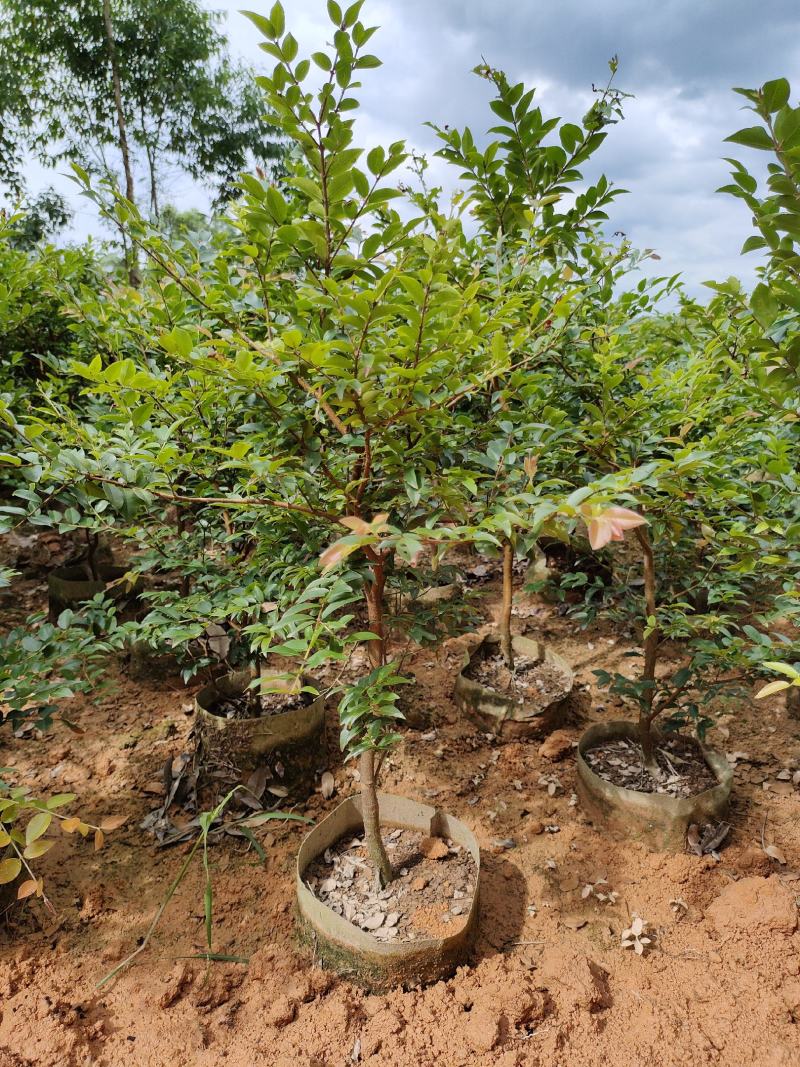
[684, 771]
[250, 706]
[536, 685]
[429, 897]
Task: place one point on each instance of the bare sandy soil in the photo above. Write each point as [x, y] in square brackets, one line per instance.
[549, 981]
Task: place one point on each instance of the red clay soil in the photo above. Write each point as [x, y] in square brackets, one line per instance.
[549, 981]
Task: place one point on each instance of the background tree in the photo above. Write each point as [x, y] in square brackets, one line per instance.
[43, 215]
[127, 86]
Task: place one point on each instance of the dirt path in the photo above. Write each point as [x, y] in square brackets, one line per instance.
[549, 982]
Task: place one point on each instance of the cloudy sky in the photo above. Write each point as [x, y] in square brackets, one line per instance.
[679, 57]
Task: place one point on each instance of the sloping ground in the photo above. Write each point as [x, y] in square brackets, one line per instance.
[549, 982]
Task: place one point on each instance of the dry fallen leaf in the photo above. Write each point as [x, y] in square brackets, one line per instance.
[693, 839]
[113, 822]
[775, 853]
[257, 782]
[327, 785]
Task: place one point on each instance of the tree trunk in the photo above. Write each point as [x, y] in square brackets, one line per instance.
[180, 527]
[371, 816]
[151, 166]
[646, 714]
[373, 592]
[130, 191]
[508, 598]
[92, 540]
[646, 741]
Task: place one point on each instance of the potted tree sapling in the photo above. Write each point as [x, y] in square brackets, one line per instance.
[49, 495]
[374, 330]
[260, 717]
[512, 685]
[354, 892]
[239, 590]
[543, 241]
[765, 325]
[407, 328]
[45, 501]
[633, 778]
[369, 927]
[271, 711]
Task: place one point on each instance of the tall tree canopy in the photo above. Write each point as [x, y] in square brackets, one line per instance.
[127, 87]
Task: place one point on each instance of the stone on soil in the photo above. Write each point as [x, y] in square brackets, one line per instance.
[434, 848]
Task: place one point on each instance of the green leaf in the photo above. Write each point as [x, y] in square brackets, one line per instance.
[753, 244]
[352, 12]
[267, 816]
[782, 668]
[251, 837]
[787, 222]
[753, 137]
[278, 19]
[502, 109]
[570, 136]
[9, 869]
[776, 94]
[276, 204]
[289, 47]
[177, 341]
[376, 159]
[764, 305]
[262, 23]
[37, 826]
[38, 848]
